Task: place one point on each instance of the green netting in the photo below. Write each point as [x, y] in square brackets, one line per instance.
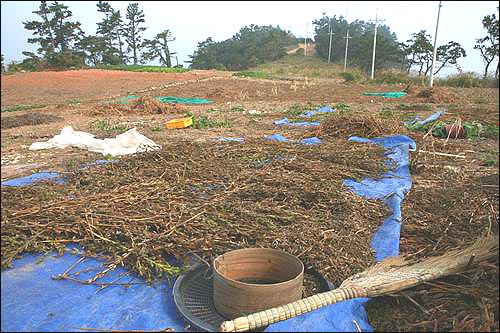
[391, 94]
[182, 100]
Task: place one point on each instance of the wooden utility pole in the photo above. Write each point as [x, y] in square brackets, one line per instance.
[346, 47]
[305, 40]
[375, 43]
[330, 45]
[435, 47]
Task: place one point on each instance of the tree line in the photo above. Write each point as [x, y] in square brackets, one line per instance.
[119, 40]
[251, 46]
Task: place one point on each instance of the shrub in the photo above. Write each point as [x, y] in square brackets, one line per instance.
[256, 74]
[394, 77]
[352, 76]
[468, 80]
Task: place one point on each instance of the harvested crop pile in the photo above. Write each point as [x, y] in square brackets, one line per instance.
[206, 199]
[345, 124]
[141, 105]
[436, 95]
[451, 210]
[28, 119]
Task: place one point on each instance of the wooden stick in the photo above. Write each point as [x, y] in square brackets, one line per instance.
[437, 153]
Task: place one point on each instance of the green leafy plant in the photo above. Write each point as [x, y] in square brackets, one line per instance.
[253, 74]
[105, 126]
[156, 129]
[205, 122]
[386, 113]
[342, 107]
[237, 109]
[142, 68]
[298, 109]
[403, 106]
[22, 107]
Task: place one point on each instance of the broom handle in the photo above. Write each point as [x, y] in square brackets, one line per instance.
[290, 310]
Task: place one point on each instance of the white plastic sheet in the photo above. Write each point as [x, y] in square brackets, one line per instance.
[129, 142]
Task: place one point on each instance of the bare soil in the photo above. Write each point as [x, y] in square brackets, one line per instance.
[453, 200]
[84, 85]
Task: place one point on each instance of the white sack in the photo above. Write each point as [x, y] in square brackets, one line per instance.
[130, 142]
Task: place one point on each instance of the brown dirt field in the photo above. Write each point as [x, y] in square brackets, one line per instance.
[452, 200]
[84, 85]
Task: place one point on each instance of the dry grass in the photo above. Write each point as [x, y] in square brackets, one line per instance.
[206, 199]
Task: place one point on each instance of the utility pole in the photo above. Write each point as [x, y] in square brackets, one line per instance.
[435, 47]
[375, 43]
[346, 37]
[346, 46]
[305, 40]
[330, 47]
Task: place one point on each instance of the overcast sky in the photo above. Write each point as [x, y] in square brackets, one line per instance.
[192, 22]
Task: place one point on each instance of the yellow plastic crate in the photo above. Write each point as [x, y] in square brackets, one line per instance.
[179, 123]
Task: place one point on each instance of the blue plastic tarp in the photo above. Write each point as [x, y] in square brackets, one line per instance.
[224, 139]
[286, 122]
[433, 117]
[306, 141]
[323, 109]
[276, 137]
[311, 141]
[391, 188]
[38, 176]
[32, 301]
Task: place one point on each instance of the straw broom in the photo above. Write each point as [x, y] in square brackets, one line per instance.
[392, 275]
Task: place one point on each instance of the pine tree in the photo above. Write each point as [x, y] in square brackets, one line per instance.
[158, 48]
[110, 30]
[488, 45]
[132, 29]
[56, 35]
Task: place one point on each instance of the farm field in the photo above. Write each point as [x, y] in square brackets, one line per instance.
[452, 202]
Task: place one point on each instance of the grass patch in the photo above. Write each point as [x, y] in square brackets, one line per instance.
[157, 128]
[143, 68]
[491, 131]
[386, 113]
[468, 80]
[342, 107]
[490, 158]
[202, 122]
[426, 107]
[253, 74]
[238, 108]
[105, 126]
[74, 101]
[22, 107]
[394, 77]
[298, 66]
[352, 76]
[298, 109]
